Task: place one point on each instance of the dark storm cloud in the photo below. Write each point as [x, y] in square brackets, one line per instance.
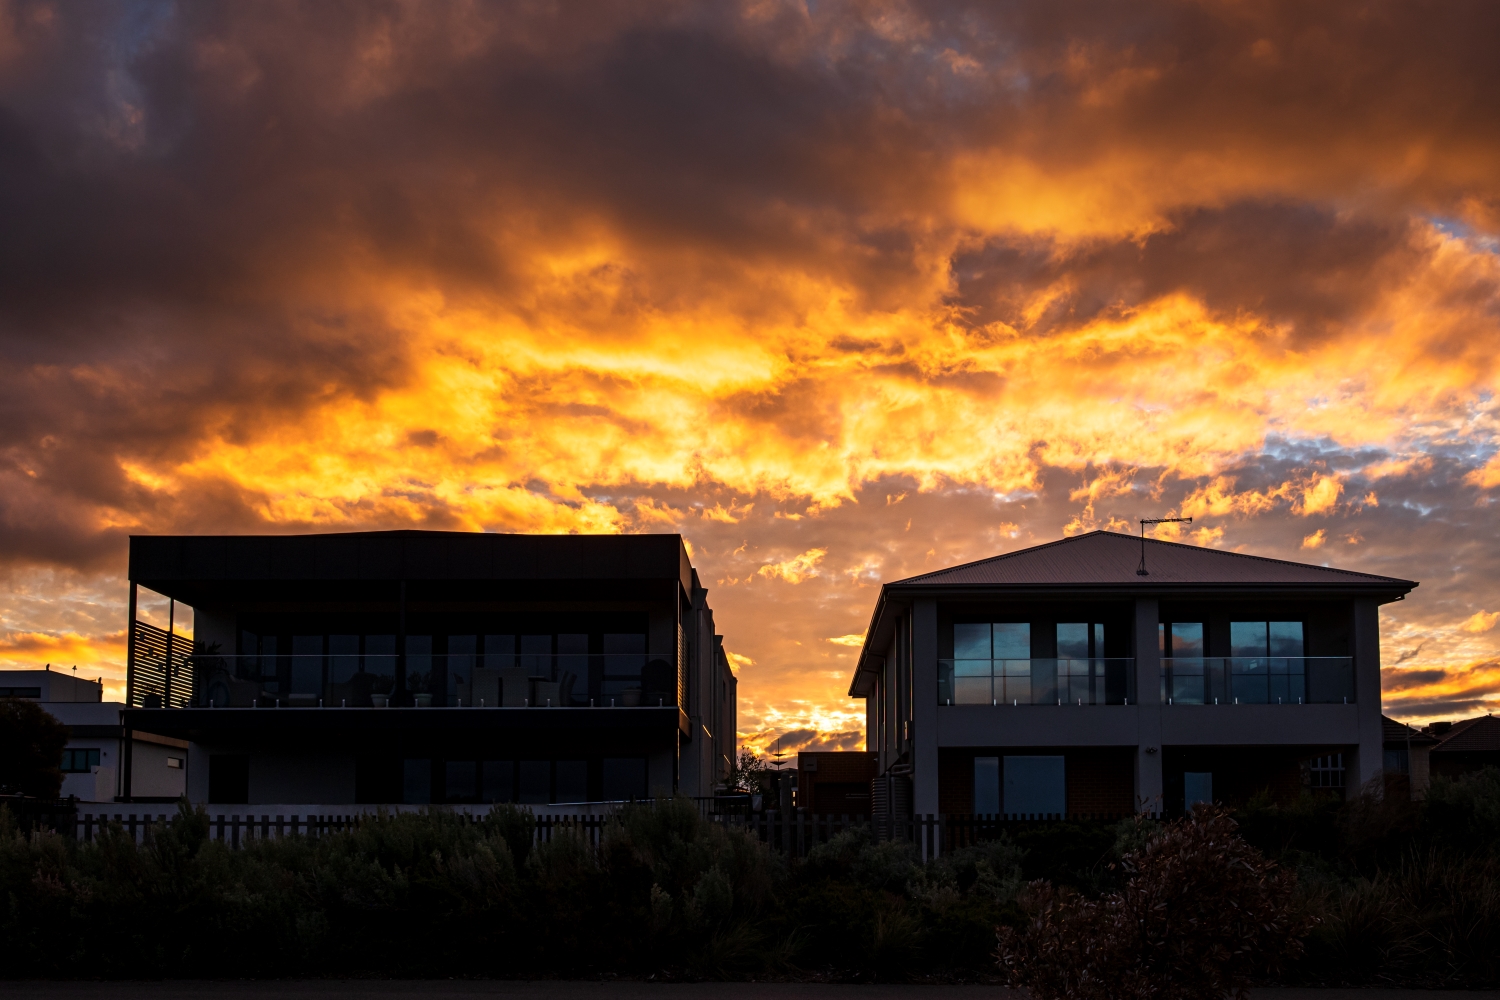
[265, 267]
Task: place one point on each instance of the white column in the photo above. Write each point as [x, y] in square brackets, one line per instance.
[924, 648]
[1369, 760]
[1147, 695]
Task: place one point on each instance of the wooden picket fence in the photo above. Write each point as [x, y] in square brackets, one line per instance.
[793, 832]
[796, 832]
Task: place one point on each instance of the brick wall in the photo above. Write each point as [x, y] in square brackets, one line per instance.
[1101, 781]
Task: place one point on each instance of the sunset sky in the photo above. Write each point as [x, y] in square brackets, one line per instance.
[842, 292]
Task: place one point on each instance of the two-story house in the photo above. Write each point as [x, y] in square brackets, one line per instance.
[426, 666]
[1104, 673]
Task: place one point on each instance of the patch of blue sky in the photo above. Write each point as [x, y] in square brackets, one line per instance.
[1461, 230]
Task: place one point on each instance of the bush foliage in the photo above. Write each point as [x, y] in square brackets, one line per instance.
[31, 745]
[1201, 914]
[1395, 892]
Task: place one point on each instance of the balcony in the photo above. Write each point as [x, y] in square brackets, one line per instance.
[209, 680]
[1257, 680]
[1058, 681]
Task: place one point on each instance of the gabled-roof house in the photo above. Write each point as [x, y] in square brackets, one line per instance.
[1102, 673]
[1465, 746]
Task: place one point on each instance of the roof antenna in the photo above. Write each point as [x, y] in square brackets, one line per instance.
[1141, 569]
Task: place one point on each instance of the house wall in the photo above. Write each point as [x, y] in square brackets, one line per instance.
[151, 775]
[102, 783]
[322, 776]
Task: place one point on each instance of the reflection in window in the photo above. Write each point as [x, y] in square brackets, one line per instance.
[498, 778]
[307, 664]
[986, 786]
[419, 664]
[536, 655]
[416, 782]
[1072, 641]
[1012, 641]
[1266, 665]
[461, 649]
[624, 778]
[573, 668]
[499, 652]
[572, 781]
[624, 659]
[536, 781]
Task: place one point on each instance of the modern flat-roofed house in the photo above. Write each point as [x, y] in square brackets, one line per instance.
[1101, 674]
[425, 666]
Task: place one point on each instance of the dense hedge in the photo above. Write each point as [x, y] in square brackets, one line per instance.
[1403, 892]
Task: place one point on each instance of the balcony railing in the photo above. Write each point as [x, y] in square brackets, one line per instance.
[469, 680]
[1057, 681]
[1257, 680]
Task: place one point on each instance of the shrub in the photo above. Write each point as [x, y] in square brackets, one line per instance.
[1200, 913]
[31, 746]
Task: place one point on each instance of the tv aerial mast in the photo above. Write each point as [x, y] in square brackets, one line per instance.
[1141, 570]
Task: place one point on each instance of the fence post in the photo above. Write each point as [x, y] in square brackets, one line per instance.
[221, 827]
[234, 832]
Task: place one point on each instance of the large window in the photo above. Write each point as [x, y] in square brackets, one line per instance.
[1184, 680]
[1266, 663]
[1035, 786]
[1084, 677]
[992, 664]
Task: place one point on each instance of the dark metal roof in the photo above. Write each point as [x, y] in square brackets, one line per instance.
[1471, 736]
[162, 562]
[1111, 559]
[1399, 732]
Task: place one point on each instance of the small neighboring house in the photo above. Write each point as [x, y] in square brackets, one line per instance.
[1463, 747]
[1102, 673]
[835, 782]
[1407, 765]
[97, 750]
[413, 667]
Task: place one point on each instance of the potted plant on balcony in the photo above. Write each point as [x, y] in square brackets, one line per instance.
[418, 684]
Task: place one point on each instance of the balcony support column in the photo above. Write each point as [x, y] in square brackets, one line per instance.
[130, 648]
[924, 674]
[1147, 695]
[1368, 760]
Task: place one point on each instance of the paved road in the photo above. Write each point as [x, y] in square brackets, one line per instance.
[347, 989]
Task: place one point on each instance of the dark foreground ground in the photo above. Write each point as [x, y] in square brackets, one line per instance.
[347, 989]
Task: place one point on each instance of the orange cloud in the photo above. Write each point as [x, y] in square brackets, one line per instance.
[1481, 621]
[796, 569]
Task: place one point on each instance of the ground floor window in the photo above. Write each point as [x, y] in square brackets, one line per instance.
[986, 785]
[1326, 771]
[79, 761]
[1197, 786]
[1034, 786]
